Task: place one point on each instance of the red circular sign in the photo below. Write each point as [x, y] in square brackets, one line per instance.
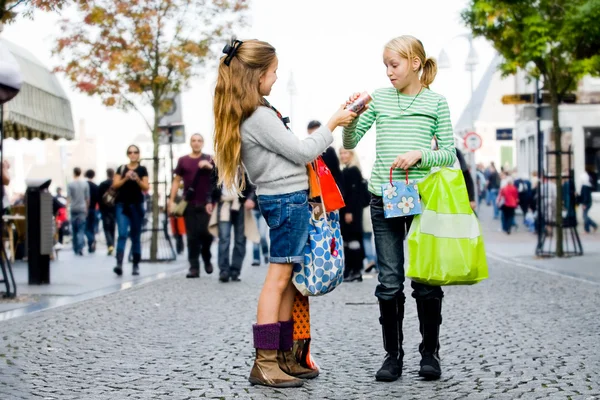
[473, 141]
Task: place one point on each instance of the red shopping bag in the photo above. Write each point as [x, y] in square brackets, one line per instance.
[330, 193]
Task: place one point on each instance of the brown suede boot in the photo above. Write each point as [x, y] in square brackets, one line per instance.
[266, 370]
[285, 356]
[289, 365]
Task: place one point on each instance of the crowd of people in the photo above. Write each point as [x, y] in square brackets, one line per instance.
[509, 192]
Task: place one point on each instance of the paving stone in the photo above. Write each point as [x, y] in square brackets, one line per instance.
[520, 335]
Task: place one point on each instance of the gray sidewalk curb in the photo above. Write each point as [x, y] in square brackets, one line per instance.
[50, 302]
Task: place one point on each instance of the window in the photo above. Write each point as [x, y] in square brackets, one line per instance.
[592, 155]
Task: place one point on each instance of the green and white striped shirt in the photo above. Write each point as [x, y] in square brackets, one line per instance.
[401, 131]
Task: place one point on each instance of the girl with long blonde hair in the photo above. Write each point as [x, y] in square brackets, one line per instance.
[251, 134]
[408, 116]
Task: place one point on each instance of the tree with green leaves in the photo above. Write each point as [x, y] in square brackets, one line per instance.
[557, 40]
[137, 53]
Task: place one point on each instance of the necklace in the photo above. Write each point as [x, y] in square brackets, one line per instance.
[402, 111]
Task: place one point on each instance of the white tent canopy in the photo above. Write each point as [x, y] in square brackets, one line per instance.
[42, 109]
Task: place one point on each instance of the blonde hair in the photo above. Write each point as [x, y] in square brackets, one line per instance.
[237, 96]
[410, 47]
[354, 161]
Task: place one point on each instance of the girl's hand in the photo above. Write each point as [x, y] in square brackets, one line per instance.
[342, 117]
[352, 98]
[348, 218]
[407, 160]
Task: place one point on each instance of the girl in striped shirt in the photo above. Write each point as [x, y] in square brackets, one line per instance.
[408, 116]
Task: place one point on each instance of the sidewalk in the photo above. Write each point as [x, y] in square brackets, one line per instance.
[518, 248]
[74, 278]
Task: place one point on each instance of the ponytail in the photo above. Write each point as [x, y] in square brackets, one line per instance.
[429, 72]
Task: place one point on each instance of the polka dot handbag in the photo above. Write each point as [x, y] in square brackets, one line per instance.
[323, 268]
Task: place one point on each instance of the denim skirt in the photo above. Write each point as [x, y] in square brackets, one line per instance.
[287, 216]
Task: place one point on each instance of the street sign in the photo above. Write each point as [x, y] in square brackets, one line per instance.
[171, 135]
[473, 141]
[504, 134]
[174, 115]
[529, 98]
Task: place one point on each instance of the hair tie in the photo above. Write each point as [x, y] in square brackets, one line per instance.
[231, 50]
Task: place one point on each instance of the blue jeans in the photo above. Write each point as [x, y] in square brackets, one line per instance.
[90, 228]
[389, 244]
[129, 223]
[78, 220]
[587, 221]
[368, 245]
[262, 229]
[492, 196]
[236, 221]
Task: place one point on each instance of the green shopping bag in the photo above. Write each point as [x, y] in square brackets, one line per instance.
[445, 243]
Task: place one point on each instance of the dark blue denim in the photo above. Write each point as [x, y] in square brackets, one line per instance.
[129, 224]
[236, 221]
[78, 230]
[262, 230]
[287, 216]
[389, 245]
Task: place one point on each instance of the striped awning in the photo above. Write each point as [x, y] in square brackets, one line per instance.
[41, 110]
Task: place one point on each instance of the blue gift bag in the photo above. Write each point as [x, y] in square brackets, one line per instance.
[400, 199]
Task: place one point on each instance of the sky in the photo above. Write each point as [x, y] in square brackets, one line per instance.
[333, 48]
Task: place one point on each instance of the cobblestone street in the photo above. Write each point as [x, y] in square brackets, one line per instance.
[521, 334]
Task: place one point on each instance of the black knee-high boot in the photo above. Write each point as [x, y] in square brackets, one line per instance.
[389, 371]
[430, 319]
[399, 320]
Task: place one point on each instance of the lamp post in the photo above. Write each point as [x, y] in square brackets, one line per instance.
[292, 90]
[470, 64]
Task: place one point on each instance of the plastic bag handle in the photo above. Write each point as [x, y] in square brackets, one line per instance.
[391, 171]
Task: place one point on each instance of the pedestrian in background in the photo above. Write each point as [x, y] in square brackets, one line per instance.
[351, 216]
[508, 200]
[493, 188]
[263, 246]
[92, 218]
[523, 185]
[231, 209]
[368, 244]
[108, 212]
[131, 181]
[408, 115]
[61, 218]
[249, 131]
[195, 170]
[464, 167]
[78, 199]
[586, 203]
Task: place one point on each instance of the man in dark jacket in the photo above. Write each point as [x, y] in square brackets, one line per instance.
[108, 212]
[92, 219]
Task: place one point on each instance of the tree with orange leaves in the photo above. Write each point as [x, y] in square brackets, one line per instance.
[9, 8]
[137, 53]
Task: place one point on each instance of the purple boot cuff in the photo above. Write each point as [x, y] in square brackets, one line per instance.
[266, 337]
[287, 335]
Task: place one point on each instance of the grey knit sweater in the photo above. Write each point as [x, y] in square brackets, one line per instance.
[274, 157]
